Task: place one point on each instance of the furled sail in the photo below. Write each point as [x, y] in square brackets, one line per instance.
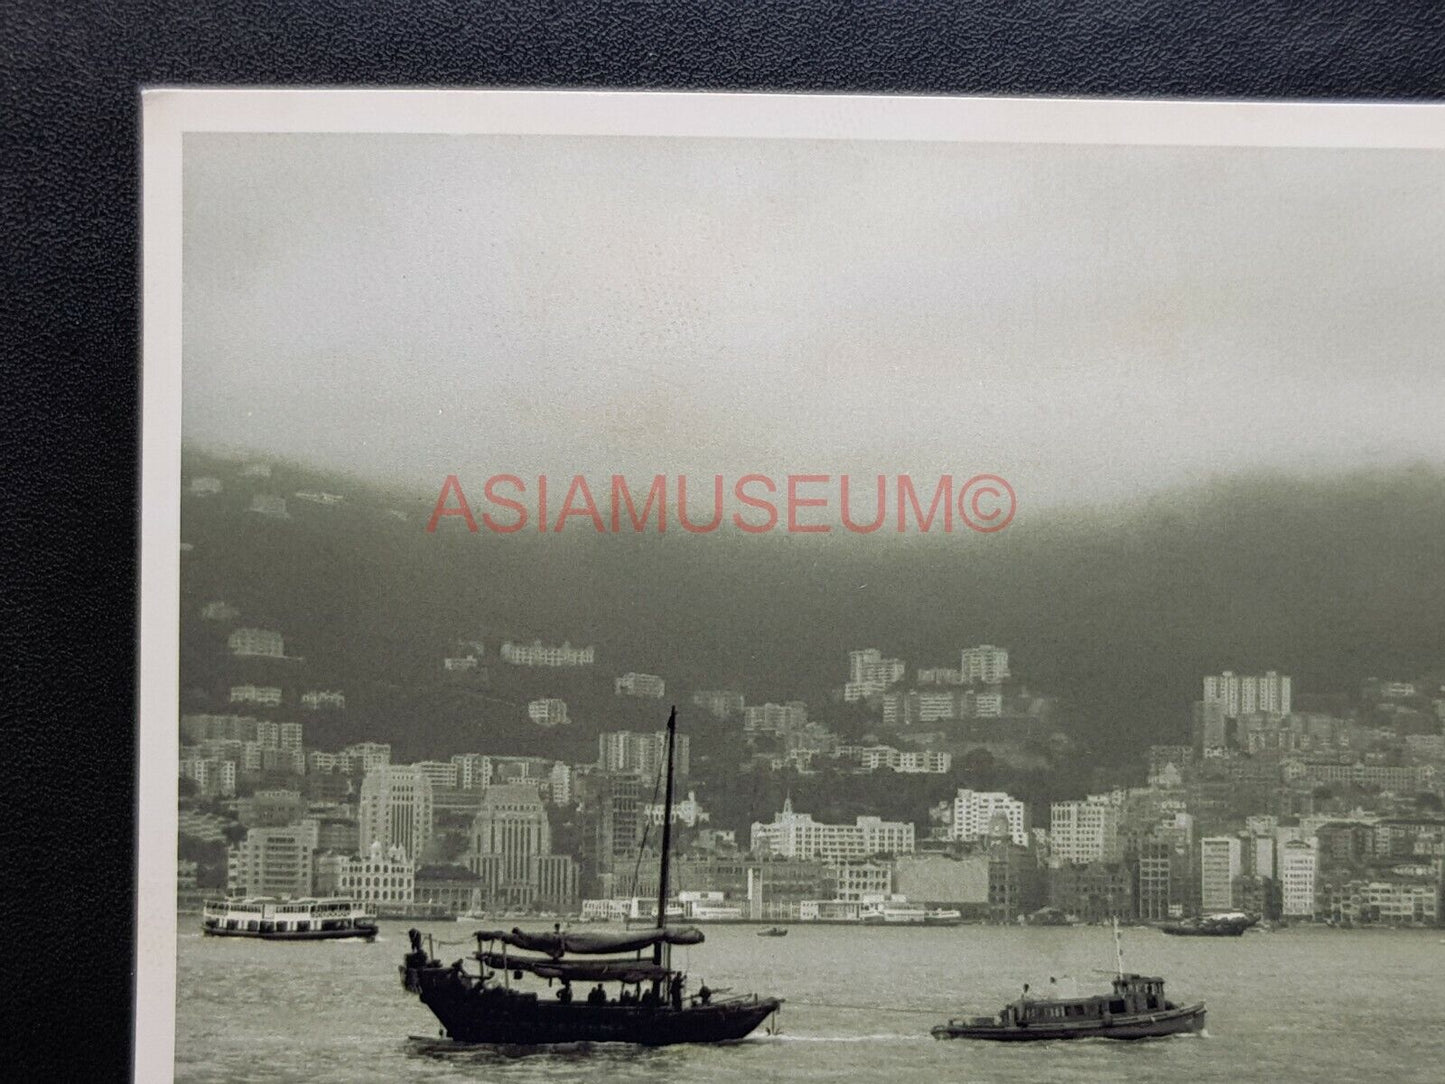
[580, 970]
[558, 943]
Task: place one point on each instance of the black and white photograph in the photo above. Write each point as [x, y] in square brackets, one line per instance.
[730, 587]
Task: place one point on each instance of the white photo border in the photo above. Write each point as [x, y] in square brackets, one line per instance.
[169, 113]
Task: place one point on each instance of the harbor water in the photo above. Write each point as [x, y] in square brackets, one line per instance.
[1301, 1004]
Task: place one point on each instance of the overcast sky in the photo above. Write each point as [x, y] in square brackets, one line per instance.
[1091, 323]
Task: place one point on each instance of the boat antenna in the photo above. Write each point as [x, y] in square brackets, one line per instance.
[666, 836]
[1118, 949]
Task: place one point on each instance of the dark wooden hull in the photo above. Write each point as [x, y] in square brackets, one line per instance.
[1181, 1021]
[367, 933]
[1203, 931]
[471, 1014]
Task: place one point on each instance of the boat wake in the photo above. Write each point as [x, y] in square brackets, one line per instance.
[887, 1037]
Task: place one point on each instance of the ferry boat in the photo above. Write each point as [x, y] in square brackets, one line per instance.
[1135, 1008]
[939, 916]
[270, 919]
[652, 1006]
[1230, 924]
[774, 931]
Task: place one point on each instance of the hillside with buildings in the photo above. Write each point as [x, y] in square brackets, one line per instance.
[1150, 713]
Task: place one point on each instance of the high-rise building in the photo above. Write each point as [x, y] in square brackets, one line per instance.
[985, 664]
[1219, 865]
[273, 862]
[1086, 831]
[974, 812]
[1298, 864]
[539, 654]
[869, 673]
[642, 754]
[1240, 694]
[508, 832]
[439, 773]
[396, 809]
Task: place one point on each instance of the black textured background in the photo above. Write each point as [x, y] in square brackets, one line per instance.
[68, 158]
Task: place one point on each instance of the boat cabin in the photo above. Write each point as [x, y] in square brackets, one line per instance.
[1132, 995]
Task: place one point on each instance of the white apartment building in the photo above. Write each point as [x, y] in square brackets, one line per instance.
[1298, 865]
[548, 711]
[539, 654]
[1240, 694]
[440, 773]
[974, 812]
[266, 695]
[798, 835]
[984, 664]
[775, 718]
[273, 862]
[316, 699]
[1086, 831]
[646, 685]
[1220, 863]
[256, 642]
[869, 674]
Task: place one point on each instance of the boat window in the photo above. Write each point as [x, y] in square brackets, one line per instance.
[1117, 1005]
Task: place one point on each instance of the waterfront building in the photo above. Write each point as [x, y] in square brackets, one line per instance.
[985, 664]
[510, 851]
[274, 861]
[797, 835]
[378, 876]
[1219, 866]
[256, 642]
[1016, 882]
[644, 685]
[1298, 864]
[944, 880]
[395, 809]
[974, 813]
[539, 654]
[1086, 831]
[1092, 891]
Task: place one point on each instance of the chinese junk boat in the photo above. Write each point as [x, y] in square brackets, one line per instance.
[287, 920]
[651, 1007]
[1135, 1009]
[1231, 924]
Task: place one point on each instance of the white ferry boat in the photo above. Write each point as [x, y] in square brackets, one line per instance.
[287, 920]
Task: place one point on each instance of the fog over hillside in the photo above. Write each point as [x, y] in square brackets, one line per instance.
[1119, 610]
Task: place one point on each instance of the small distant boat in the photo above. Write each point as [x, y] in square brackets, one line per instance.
[267, 919]
[939, 916]
[1135, 1008]
[1230, 924]
[773, 931]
